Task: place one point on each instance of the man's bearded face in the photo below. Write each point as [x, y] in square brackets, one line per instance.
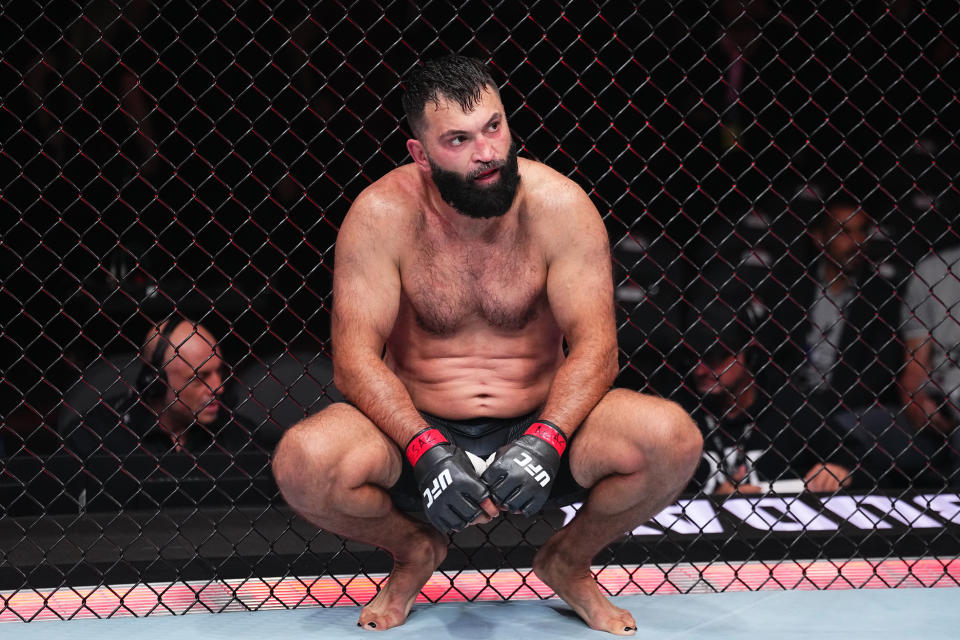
[480, 200]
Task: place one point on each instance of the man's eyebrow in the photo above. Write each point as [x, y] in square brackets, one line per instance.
[461, 132]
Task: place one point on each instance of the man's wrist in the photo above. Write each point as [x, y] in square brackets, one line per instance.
[549, 433]
[421, 442]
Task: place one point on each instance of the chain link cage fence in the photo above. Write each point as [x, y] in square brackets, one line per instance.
[777, 181]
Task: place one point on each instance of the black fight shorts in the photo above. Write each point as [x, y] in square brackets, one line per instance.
[481, 437]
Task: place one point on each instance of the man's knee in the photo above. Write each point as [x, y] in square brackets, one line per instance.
[306, 459]
[328, 454]
[637, 433]
[684, 437]
[293, 463]
[671, 446]
[669, 433]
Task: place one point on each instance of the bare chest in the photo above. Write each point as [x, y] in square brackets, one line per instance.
[450, 287]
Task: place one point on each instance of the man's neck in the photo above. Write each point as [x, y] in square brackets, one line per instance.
[171, 424]
[834, 278]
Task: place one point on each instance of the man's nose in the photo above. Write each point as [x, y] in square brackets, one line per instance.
[482, 150]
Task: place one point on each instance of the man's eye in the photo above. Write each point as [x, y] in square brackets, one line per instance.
[494, 126]
[456, 142]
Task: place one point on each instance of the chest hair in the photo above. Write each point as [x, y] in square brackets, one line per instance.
[503, 286]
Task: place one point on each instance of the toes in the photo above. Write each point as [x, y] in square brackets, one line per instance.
[620, 628]
[624, 625]
[376, 620]
[372, 625]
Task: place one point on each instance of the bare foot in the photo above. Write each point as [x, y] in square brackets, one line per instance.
[411, 571]
[577, 587]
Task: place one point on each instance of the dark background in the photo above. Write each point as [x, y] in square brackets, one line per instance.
[157, 155]
[200, 157]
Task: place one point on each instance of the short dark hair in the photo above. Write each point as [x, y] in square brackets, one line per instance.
[453, 77]
[720, 331]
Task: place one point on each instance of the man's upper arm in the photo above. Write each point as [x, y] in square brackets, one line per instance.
[579, 279]
[916, 322]
[366, 280]
[915, 309]
[918, 357]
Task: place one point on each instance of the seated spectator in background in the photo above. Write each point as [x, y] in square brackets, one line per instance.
[838, 317]
[177, 406]
[906, 442]
[757, 429]
[930, 382]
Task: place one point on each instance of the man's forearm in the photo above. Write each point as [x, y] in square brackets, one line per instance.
[913, 384]
[579, 384]
[374, 389]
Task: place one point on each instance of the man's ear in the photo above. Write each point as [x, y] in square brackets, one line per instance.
[418, 153]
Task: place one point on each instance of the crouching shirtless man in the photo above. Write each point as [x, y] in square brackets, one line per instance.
[458, 277]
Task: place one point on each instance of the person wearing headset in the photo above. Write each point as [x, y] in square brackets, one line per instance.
[176, 406]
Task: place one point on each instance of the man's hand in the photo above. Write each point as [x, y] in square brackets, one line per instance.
[827, 478]
[453, 496]
[941, 411]
[736, 484]
[521, 477]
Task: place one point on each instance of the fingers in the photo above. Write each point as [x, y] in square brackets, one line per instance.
[822, 483]
[489, 508]
[484, 512]
[488, 513]
[481, 519]
[738, 475]
[725, 488]
[825, 478]
[493, 477]
[749, 488]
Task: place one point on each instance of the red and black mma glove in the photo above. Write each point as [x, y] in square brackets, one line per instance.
[521, 477]
[448, 482]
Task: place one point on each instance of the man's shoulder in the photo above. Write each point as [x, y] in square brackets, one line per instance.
[546, 185]
[937, 263]
[397, 190]
[111, 410]
[114, 424]
[382, 212]
[554, 204]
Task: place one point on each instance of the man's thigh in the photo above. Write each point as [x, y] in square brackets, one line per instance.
[625, 432]
[342, 438]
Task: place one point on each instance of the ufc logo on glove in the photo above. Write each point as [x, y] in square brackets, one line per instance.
[447, 480]
[519, 479]
[441, 482]
[535, 470]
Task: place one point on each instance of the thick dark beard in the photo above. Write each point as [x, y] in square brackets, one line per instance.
[461, 193]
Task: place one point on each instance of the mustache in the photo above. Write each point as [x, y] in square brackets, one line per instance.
[485, 167]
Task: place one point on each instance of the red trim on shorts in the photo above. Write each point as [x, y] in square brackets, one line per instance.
[549, 433]
[424, 440]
